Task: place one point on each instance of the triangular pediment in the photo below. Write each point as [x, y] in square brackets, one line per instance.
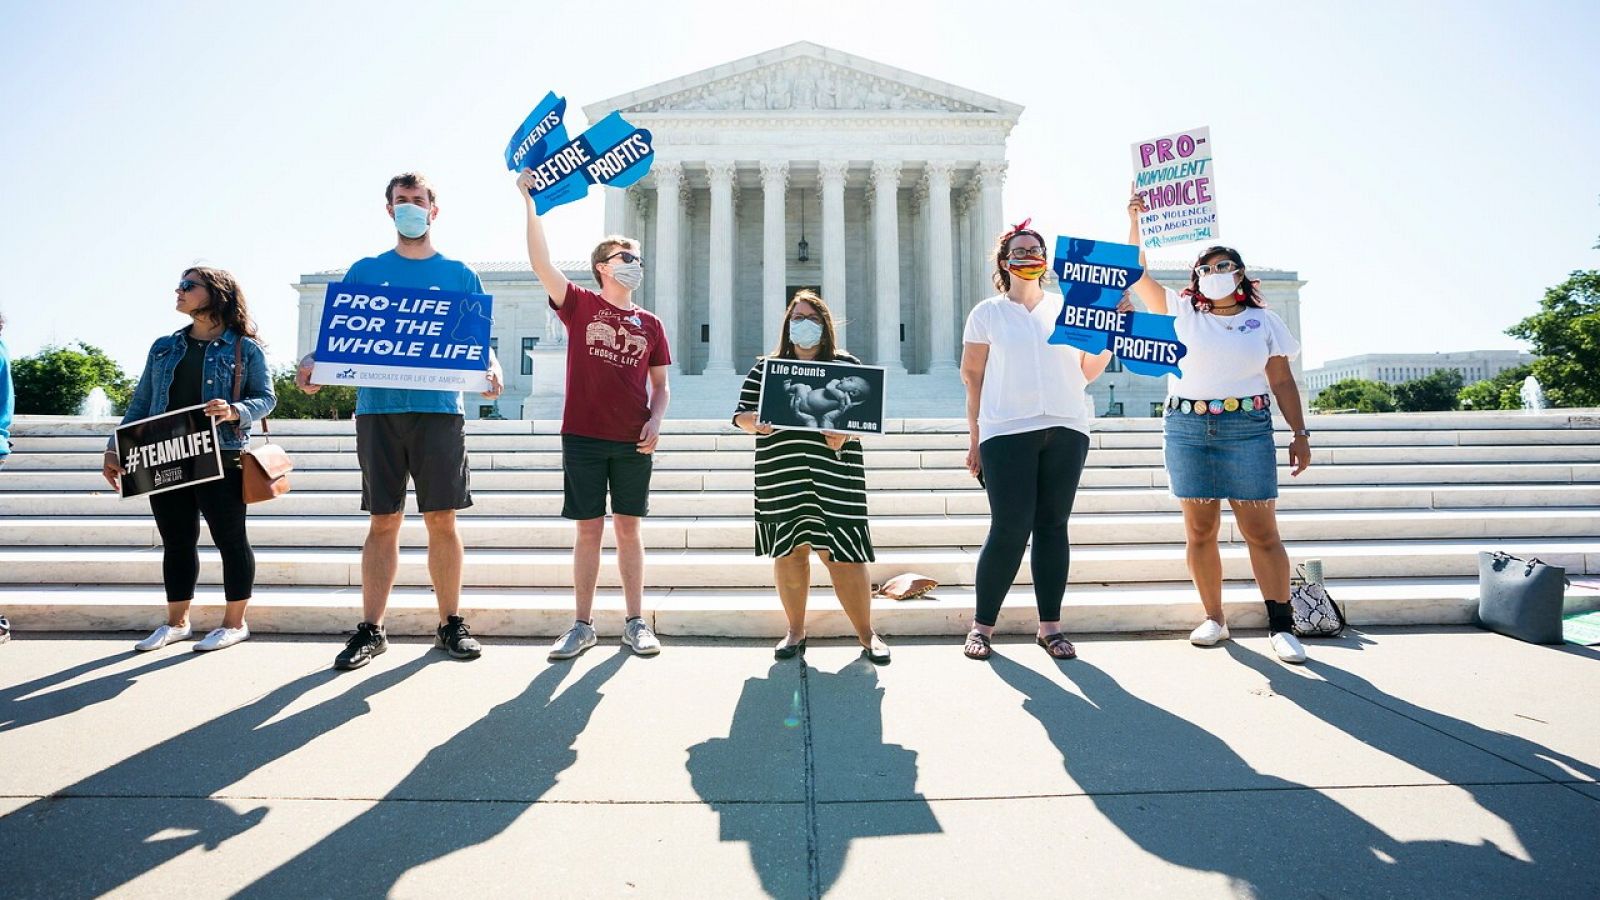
[804, 78]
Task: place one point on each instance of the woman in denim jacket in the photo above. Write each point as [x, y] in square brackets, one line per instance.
[191, 366]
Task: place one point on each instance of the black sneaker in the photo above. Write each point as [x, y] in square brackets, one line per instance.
[457, 640]
[367, 642]
[5, 630]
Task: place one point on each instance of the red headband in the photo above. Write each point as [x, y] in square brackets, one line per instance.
[1020, 226]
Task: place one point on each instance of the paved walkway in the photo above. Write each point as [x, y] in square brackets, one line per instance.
[1397, 763]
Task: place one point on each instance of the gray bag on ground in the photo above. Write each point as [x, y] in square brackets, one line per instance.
[1520, 598]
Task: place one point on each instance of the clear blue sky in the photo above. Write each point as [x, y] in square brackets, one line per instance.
[1429, 168]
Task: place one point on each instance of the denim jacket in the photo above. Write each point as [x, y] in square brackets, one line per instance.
[256, 399]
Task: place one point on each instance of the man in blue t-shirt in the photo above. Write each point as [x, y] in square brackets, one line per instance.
[420, 435]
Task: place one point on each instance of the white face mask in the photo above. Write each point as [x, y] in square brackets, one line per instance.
[629, 275]
[1217, 285]
[805, 333]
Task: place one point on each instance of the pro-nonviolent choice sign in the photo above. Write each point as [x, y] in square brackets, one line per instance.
[1094, 275]
[1177, 179]
[394, 337]
[612, 152]
[173, 450]
[821, 396]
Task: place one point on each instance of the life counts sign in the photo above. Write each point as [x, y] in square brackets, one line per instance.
[1175, 176]
[612, 152]
[173, 450]
[1094, 275]
[395, 337]
[821, 396]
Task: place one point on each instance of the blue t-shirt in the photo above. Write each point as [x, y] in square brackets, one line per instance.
[437, 272]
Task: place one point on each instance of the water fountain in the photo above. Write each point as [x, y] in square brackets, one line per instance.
[1532, 395]
[96, 406]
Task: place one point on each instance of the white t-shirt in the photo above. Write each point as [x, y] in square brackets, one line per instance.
[1227, 354]
[1028, 383]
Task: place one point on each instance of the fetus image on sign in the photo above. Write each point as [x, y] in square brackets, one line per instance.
[823, 407]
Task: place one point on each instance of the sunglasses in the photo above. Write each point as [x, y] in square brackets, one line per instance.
[626, 257]
[1224, 267]
[187, 285]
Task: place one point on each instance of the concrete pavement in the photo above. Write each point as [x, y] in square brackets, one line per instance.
[1404, 763]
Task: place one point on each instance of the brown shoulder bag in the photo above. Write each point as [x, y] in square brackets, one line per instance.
[267, 467]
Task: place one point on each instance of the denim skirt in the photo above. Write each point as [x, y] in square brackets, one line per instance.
[1222, 456]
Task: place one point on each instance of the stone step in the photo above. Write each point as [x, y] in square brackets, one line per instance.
[736, 532]
[956, 501]
[1379, 477]
[918, 459]
[30, 444]
[736, 613]
[517, 568]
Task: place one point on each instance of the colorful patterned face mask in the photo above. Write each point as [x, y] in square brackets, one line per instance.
[1030, 268]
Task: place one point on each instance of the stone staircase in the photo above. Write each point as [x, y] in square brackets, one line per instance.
[1396, 506]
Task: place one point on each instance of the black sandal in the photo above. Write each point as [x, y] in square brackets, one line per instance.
[1055, 641]
[982, 640]
[789, 651]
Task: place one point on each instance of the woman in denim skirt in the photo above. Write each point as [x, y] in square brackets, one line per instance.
[1218, 429]
[192, 366]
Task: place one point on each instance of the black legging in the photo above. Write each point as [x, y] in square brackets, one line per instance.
[1031, 479]
[178, 519]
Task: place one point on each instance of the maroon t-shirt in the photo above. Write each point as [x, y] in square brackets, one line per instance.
[609, 355]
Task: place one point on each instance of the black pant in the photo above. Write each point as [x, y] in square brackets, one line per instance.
[178, 519]
[1032, 479]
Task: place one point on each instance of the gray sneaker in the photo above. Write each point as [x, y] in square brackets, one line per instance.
[636, 633]
[577, 639]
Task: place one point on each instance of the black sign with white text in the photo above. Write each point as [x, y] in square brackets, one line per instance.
[173, 450]
[822, 396]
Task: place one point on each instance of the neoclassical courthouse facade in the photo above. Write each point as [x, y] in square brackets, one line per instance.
[798, 167]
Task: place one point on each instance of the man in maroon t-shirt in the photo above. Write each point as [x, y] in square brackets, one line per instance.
[617, 358]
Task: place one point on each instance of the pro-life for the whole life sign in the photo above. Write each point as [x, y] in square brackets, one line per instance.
[1175, 176]
[173, 450]
[395, 337]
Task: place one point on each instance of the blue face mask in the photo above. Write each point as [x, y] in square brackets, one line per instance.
[410, 220]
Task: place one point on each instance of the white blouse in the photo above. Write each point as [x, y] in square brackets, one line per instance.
[1227, 355]
[1029, 384]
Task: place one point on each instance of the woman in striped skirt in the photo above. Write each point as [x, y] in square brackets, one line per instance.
[811, 492]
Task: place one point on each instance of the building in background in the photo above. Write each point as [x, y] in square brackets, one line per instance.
[1399, 368]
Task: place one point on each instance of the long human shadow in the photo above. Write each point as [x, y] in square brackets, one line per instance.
[23, 704]
[472, 787]
[1185, 796]
[800, 852]
[72, 844]
[1547, 843]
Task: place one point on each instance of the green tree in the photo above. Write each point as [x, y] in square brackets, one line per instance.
[332, 402]
[1565, 335]
[55, 381]
[1437, 391]
[1358, 394]
[1503, 391]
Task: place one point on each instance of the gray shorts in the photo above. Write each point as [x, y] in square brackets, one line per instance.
[427, 448]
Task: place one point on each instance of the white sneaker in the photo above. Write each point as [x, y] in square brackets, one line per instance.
[163, 636]
[637, 634]
[575, 640]
[1209, 634]
[1288, 647]
[222, 638]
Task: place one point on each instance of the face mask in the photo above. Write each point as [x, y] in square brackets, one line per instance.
[805, 333]
[629, 275]
[1030, 268]
[1217, 285]
[410, 220]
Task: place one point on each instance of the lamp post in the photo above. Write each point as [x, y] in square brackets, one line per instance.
[803, 253]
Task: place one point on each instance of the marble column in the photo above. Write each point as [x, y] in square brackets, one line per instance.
[991, 220]
[941, 292]
[720, 311]
[774, 251]
[616, 210]
[669, 181]
[833, 261]
[886, 251]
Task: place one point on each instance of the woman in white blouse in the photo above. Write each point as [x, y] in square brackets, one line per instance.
[1218, 429]
[1028, 423]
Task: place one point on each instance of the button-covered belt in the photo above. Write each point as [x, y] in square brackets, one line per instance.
[1217, 407]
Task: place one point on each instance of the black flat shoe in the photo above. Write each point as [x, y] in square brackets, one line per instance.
[789, 651]
[877, 652]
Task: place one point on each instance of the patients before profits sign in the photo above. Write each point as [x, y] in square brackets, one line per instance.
[611, 152]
